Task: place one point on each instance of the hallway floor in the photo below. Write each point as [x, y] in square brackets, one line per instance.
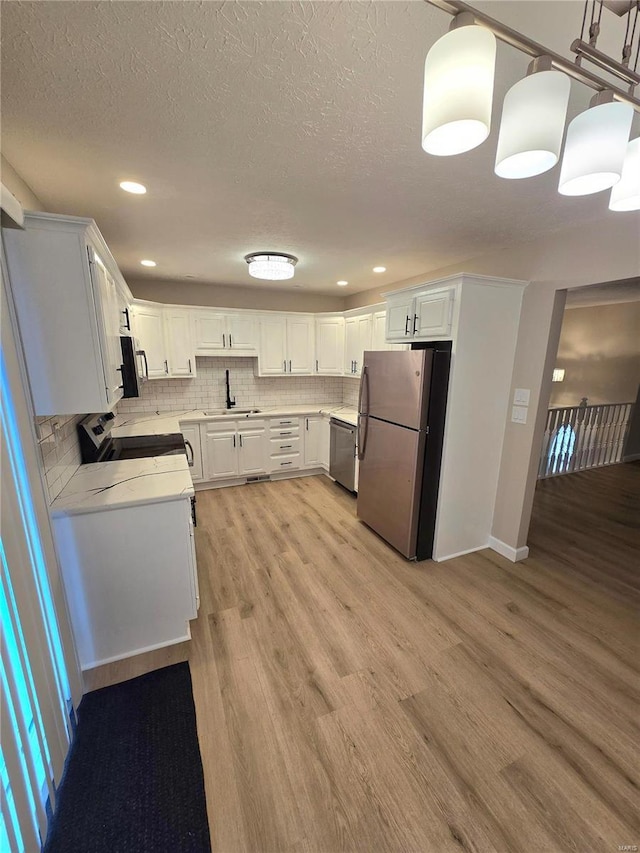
[349, 700]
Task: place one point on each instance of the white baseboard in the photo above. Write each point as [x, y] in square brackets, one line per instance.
[142, 651]
[513, 554]
[458, 554]
[632, 457]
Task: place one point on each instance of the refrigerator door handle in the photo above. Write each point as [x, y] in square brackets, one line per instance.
[362, 434]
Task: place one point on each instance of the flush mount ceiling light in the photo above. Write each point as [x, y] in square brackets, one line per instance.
[458, 88]
[625, 195]
[148, 263]
[271, 266]
[458, 92]
[133, 187]
[532, 126]
[379, 269]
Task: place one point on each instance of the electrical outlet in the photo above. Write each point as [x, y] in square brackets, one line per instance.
[55, 427]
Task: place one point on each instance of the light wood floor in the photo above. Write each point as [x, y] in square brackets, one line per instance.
[349, 700]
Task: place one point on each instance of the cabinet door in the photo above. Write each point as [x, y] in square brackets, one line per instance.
[351, 340]
[300, 345]
[312, 430]
[149, 328]
[242, 331]
[124, 311]
[432, 317]
[325, 442]
[252, 452]
[272, 357]
[182, 359]
[209, 332]
[191, 435]
[106, 299]
[379, 331]
[222, 455]
[363, 341]
[330, 346]
[399, 319]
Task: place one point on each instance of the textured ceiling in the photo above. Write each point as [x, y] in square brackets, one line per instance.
[290, 126]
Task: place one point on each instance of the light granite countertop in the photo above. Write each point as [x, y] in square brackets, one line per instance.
[106, 485]
[159, 423]
[127, 482]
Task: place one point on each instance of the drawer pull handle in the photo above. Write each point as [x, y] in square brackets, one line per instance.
[286, 433]
[286, 446]
[286, 463]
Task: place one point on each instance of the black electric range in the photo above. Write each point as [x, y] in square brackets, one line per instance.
[98, 445]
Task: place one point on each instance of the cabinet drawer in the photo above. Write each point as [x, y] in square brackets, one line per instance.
[284, 423]
[285, 462]
[284, 432]
[221, 426]
[286, 444]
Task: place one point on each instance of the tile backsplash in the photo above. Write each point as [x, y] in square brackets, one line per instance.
[207, 389]
[59, 449]
[350, 388]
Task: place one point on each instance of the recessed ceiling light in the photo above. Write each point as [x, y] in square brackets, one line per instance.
[379, 269]
[342, 283]
[133, 187]
[148, 263]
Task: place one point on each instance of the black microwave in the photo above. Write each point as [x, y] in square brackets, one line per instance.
[135, 369]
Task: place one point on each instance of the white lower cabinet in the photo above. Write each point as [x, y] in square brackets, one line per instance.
[314, 441]
[252, 449]
[191, 435]
[236, 449]
[220, 445]
[130, 578]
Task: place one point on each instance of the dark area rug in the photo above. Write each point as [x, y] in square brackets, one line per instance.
[133, 781]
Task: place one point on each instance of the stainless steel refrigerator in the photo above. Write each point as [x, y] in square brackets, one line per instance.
[402, 408]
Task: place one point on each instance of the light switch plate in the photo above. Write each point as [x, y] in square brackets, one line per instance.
[521, 396]
[519, 414]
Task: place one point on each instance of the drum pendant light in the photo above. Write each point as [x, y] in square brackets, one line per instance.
[458, 89]
[625, 195]
[532, 126]
[596, 146]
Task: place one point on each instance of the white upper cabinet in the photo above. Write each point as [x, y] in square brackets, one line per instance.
[300, 345]
[286, 345]
[357, 340]
[423, 315]
[432, 314]
[243, 333]
[108, 307]
[181, 357]
[329, 346]
[273, 346]
[149, 328]
[219, 333]
[210, 332]
[399, 318]
[67, 311]
[124, 310]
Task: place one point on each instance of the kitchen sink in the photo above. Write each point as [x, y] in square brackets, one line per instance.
[217, 412]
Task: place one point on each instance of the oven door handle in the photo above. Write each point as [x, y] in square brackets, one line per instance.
[192, 460]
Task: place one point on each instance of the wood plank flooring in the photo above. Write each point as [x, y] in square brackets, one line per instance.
[349, 700]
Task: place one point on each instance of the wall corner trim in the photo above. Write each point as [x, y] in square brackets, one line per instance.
[513, 554]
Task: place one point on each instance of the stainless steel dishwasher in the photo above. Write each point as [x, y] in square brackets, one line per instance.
[342, 458]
